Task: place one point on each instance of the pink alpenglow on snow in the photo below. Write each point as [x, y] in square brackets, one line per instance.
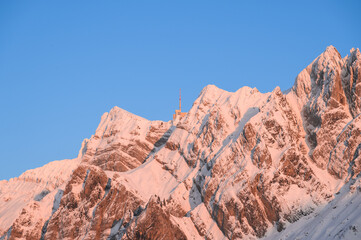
[237, 165]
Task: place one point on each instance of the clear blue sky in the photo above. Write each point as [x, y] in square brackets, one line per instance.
[64, 63]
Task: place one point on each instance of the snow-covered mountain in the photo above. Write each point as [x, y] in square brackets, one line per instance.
[242, 165]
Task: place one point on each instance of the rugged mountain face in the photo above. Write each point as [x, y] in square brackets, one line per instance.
[123, 141]
[26, 202]
[242, 165]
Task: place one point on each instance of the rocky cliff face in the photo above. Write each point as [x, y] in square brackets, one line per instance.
[123, 141]
[242, 165]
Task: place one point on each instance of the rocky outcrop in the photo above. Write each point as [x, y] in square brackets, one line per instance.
[26, 221]
[351, 81]
[345, 157]
[28, 199]
[93, 203]
[154, 223]
[123, 141]
[330, 105]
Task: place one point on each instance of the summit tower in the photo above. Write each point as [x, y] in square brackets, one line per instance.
[178, 113]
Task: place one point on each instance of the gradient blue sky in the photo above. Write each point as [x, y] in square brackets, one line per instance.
[64, 63]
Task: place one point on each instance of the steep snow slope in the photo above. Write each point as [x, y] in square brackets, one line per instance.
[240, 165]
[339, 219]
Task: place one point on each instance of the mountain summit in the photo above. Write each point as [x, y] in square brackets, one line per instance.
[237, 165]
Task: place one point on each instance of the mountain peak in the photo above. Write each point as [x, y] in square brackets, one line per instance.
[329, 55]
[332, 51]
[331, 48]
[211, 89]
[319, 73]
[354, 54]
[355, 51]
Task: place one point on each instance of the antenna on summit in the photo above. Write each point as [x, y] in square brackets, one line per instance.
[178, 113]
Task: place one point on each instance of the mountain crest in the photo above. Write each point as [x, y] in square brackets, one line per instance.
[238, 165]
